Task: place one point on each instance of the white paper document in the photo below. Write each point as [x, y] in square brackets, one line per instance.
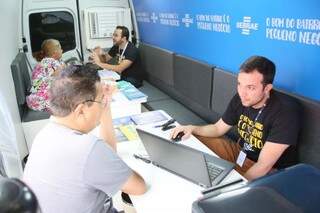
[108, 75]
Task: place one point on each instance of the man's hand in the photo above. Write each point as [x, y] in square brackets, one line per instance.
[106, 127]
[187, 130]
[95, 58]
[98, 50]
[107, 91]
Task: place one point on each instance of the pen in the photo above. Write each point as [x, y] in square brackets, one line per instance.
[165, 128]
[141, 158]
[171, 121]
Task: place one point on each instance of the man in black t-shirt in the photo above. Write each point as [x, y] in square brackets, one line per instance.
[122, 58]
[267, 123]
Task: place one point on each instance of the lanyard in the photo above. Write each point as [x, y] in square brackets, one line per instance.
[250, 128]
[124, 49]
[258, 115]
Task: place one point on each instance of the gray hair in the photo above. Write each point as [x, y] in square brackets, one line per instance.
[74, 85]
[49, 46]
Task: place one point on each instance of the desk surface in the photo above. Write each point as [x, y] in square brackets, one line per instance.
[167, 192]
[121, 106]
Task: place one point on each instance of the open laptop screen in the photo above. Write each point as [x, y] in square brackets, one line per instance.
[176, 158]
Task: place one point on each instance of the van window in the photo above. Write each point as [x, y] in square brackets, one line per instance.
[57, 25]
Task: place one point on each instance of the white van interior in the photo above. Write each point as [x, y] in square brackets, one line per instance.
[80, 26]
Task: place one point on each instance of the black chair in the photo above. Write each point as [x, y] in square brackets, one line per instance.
[17, 197]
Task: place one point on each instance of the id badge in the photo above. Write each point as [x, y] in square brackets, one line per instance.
[241, 158]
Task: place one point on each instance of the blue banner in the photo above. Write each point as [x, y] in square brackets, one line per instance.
[224, 34]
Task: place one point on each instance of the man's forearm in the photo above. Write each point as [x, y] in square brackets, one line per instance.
[257, 170]
[208, 131]
[106, 129]
[268, 156]
[106, 66]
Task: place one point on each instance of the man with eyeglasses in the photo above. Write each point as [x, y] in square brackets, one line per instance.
[267, 124]
[69, 169]
[122, 58]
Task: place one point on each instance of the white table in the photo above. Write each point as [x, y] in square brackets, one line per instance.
[167, 192]
[121, 106]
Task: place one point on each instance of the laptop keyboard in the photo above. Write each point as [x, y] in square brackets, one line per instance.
[213, 171]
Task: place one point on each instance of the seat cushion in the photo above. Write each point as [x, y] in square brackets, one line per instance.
[224, 88]
[153, 93]
[31, 115]
[193, 79]
[157, 62]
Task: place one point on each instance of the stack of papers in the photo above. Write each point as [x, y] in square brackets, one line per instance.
[148, 117]
[106, 75]
[130, 132]
[131, 93]
[122, 121]
[125, 129]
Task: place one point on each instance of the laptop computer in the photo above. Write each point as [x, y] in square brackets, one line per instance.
[196, 166]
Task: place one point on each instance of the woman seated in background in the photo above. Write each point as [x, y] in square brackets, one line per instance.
[43, 74]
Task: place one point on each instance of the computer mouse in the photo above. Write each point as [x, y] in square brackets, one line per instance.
[178, 137]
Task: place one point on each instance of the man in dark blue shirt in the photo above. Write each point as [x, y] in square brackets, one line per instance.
[122, 58]
[267, 123]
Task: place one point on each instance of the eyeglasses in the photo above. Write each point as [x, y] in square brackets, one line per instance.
[103, 104]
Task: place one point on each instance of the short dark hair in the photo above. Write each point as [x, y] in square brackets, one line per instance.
[124, 31]
[73, 86]
[263, 65]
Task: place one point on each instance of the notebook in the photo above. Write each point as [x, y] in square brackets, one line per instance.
[132, 93]
[196, 166]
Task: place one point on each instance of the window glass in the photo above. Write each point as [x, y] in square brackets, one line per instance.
[57, 25]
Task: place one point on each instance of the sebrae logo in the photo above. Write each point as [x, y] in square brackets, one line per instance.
[154, 18]
[246, 25]
[187, 20]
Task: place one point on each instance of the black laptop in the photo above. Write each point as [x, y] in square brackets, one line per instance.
[196, 166]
